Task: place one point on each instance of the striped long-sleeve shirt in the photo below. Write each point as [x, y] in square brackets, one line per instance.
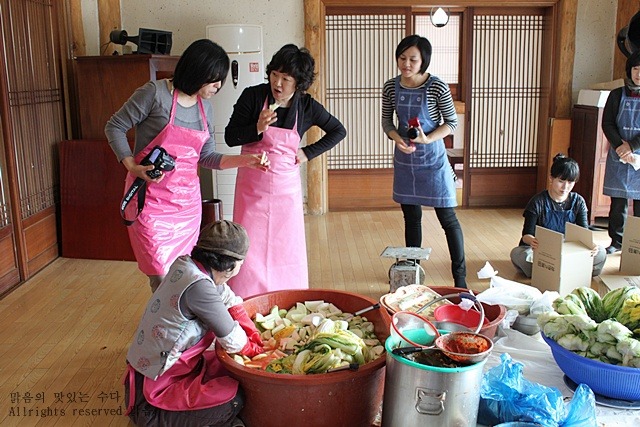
[439, 100]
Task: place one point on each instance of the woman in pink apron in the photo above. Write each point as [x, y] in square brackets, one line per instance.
[171, 114]
[272, 118]
[621, 126]
[422, 174]
[171, 378]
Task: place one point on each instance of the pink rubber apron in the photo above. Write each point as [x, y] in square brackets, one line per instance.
[196, 381]
[269, 205]
[168, 225]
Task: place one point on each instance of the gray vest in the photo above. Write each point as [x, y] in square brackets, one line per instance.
[164, 333]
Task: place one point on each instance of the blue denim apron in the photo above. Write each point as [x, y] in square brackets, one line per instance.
[556, 220]
[423, 177]
[620, 179]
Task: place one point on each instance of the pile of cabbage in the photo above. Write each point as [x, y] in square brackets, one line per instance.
[605, 329]
[315, 337]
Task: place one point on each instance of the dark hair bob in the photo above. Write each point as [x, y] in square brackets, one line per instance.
[632, 61]
[423, 45]
[203, 62]
[565, 168]
[296, 62]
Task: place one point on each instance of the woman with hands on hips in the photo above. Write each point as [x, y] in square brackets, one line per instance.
[552, 209]
[422, 173]
[171, 113]
[271, 118]
[621, 126]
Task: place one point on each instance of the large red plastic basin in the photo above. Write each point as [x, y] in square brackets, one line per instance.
[343, 398]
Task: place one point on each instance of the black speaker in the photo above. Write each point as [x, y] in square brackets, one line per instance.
[148, 41]
[628, 39]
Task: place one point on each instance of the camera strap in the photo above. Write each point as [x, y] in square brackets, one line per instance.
[139, 185]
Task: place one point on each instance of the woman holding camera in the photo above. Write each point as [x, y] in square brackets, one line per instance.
[422, 173]
[171, 114]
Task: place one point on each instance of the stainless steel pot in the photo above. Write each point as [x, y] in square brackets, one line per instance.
[417, 395]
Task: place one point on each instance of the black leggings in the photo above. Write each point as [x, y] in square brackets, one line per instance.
[452, 230]
[617, 218]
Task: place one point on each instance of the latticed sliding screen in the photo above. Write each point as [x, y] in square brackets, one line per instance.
[505, 91]
[35, 101]
[445, 44]
[505, 86]
[360, 58]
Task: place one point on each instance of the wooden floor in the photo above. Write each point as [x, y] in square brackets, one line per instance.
[65, 332]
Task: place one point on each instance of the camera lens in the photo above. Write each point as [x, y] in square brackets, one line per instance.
[412, 133]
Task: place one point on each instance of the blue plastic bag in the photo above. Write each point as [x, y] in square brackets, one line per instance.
[581, 411]
[505, 395]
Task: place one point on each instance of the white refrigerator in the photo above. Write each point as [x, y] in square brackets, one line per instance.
[243, 44]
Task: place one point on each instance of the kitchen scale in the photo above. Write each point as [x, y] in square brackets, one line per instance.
[406, 270]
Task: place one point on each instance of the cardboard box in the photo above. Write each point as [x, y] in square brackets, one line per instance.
[630, 254]
[615, 281]
[597, 98]
[629, 258]
[562, 262]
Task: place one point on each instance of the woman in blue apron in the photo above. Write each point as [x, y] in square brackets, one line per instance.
[621, 126]
[422, 173]
[552, 209]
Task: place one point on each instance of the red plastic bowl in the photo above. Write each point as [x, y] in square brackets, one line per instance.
[455, 314]
[494, 313]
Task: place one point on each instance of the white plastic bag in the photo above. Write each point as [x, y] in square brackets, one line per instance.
[513, 295]
[544, 303]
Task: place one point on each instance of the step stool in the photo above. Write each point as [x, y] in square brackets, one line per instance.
[406, 270]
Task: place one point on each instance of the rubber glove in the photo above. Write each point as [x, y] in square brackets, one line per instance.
[239, 314]
[252, 349]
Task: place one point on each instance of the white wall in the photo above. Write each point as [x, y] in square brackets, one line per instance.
[282, 20]
[595, 43]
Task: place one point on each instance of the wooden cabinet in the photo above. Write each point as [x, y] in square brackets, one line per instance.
[91, 188]
[589, 148]
[104, 83]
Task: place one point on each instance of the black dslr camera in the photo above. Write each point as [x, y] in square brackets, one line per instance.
[161, 161]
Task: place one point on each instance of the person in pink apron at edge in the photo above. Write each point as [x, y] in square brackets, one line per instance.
[553, 209]
[271, 118]
[173, 376]
[621, 126]
[171, 114]
[422, 174]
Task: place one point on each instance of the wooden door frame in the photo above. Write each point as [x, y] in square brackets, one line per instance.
[562, 42]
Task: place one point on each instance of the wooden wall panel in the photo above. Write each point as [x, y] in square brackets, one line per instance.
[108, 20]
[9, 274]
[559, 138]
[40, 236]
[317, 193]
[508, 187]
[360, 189]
